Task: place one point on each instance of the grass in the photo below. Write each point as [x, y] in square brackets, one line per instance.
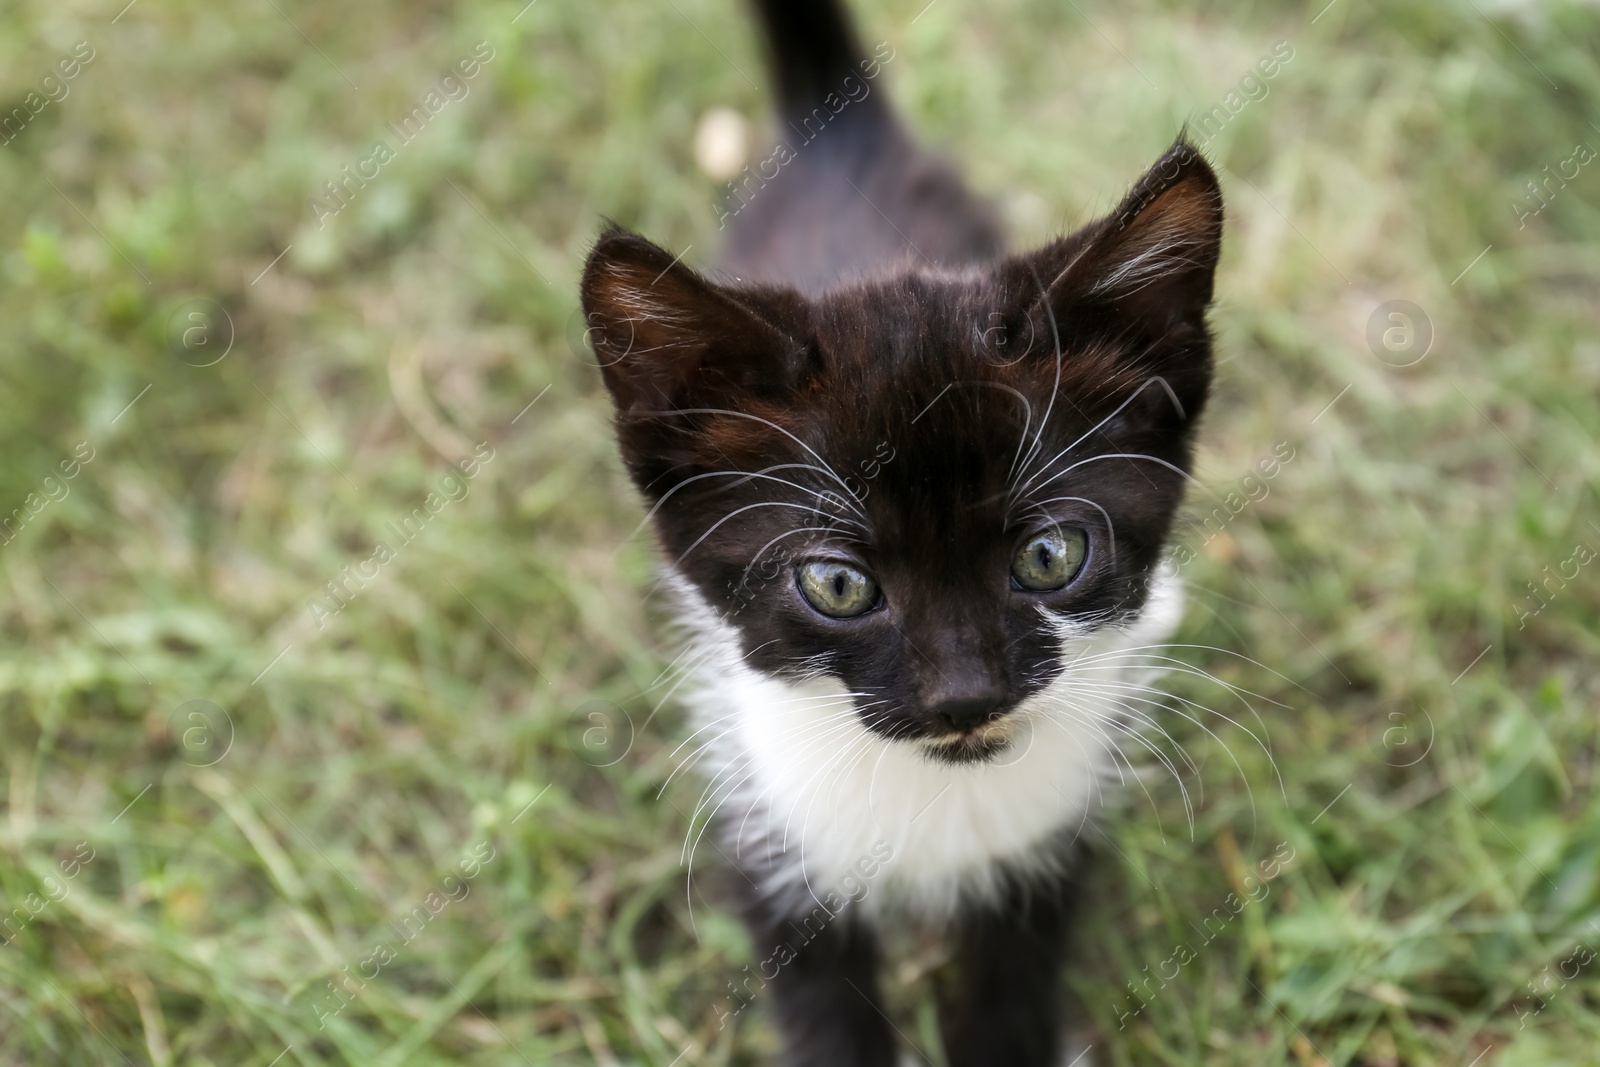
[205, 872]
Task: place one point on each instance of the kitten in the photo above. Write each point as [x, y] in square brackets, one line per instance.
[912, 493]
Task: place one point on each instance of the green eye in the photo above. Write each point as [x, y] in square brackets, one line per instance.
[837, 590]
[1051, 559]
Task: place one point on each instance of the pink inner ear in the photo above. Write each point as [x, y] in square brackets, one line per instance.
[1154, 259]
[669, 338]
[633, 289]
[1176, 233]
[1175, 242]
[647, 303]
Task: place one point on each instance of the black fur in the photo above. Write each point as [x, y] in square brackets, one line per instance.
[813, 49]
[859, 195]
[824, 1000]
[864, 388]
[1005, 1007]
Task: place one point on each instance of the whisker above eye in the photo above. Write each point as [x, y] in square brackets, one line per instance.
[1168, 464]
[1154, 379]
[1055, 338]
[733, 514]
[803, 529]
[764, 473]
[823, 468]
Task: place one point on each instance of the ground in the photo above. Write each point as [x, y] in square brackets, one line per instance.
[249, 821]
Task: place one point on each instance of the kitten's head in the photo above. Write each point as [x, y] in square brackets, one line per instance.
[921, 485]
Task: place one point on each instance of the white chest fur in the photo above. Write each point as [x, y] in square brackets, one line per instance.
[820, 804]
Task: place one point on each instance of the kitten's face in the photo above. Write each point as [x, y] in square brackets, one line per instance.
[919, 486]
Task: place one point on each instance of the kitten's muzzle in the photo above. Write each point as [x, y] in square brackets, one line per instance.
[976, 744]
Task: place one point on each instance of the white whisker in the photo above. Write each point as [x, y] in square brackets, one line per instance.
[823, 467]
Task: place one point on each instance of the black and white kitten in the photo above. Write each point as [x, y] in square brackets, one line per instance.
[913, 493]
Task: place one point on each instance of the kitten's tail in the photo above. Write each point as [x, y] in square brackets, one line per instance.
[847, 191]
[814, 50]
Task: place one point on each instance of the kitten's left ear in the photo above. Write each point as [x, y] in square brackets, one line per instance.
[1151, 262]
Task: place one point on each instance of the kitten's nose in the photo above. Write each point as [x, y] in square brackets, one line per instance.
[969, 710]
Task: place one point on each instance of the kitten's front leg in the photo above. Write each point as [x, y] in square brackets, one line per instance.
[824, 997]
[1005, 1006]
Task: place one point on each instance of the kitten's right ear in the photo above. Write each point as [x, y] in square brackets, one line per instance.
[1151, 262]
[668, 339]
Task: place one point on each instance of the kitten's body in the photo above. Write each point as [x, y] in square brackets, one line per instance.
[878, 400]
